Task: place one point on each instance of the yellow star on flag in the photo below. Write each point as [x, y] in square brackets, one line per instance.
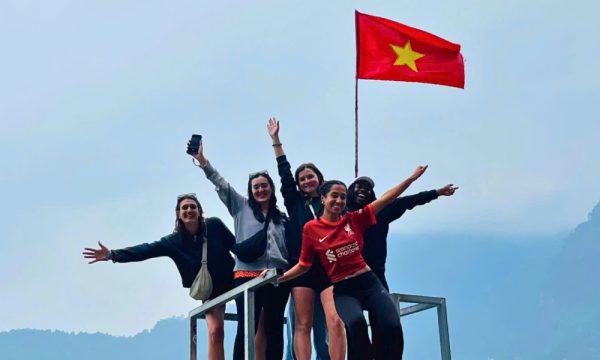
[406, 56]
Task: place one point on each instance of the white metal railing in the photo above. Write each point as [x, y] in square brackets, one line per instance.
[247, 290]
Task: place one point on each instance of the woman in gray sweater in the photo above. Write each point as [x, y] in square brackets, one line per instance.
[249, 215]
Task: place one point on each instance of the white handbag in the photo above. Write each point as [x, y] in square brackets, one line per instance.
[202, 286]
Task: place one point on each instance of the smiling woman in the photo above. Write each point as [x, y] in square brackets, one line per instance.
[254, 216]
[185, 246]
[312, 305]
[336, 240]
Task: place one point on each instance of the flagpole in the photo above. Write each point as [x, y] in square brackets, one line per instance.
[356, 127]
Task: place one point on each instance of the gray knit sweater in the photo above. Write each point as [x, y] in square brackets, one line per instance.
[246, 225]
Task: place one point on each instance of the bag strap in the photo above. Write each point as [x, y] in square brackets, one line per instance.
[312, 210]
[204, 242]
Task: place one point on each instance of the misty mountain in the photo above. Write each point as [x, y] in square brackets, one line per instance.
[570, 303]
[167, 340]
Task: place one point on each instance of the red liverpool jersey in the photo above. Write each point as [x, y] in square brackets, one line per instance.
[338, 244]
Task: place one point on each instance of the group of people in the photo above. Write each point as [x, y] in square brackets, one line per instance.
[331, 245]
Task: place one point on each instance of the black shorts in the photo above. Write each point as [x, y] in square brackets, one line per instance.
[315, 278]
[220, 288]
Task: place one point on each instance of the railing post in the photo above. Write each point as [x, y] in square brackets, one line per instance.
[249, 324]
[397, 299]
[193, 338]
[443, 326]
[423, 303]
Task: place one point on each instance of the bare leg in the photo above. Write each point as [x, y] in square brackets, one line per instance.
[335, 325]
[215, 321]
[260, 340]
[304, 299]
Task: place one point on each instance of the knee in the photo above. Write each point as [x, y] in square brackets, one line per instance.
[216, 335]
[303, 326]
[335, 323]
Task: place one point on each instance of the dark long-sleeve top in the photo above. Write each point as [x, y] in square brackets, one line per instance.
[375, 248]
[297, 206]
[186, 252]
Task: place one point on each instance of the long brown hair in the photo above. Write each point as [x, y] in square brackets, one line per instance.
[274, 212]
[179, 227]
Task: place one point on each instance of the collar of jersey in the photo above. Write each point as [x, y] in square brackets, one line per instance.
[330, 222]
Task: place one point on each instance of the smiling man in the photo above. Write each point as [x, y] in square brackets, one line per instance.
[360, 193]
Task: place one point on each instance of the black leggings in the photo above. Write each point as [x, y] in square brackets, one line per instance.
[271, 300]
[365, 291]
[375, 336]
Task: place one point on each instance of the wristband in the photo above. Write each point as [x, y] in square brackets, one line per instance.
[278, 144]
[108, 256]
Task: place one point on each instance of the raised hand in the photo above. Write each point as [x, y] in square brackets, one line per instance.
[447, 190]
[273, 128]
[418, 172]
[200, 154]
[101, 254]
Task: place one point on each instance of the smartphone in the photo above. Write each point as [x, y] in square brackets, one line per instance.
[194, 144]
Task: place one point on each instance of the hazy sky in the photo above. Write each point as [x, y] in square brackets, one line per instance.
[98, 99]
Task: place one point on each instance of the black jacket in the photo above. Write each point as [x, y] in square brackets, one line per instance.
[186, 251]
[375, 245]
[297, 206]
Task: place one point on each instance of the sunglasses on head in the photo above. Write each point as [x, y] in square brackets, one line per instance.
[258, 173]
[192, 195]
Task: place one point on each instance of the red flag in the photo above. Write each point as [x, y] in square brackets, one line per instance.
[387, 50]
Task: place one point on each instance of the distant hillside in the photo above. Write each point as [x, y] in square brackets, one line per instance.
[167, 340]
[570, 318]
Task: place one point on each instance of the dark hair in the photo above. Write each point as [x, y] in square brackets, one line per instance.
[179, 227]
[327, 185]
[310, 166]
[351, 196]
[274, 212]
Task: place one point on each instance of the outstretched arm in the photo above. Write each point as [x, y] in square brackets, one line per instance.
[398, 207]
[288, 184]
[228, 195]
[394, 192]
[139, 252]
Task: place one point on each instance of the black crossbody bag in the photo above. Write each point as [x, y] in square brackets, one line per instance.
[253, 247]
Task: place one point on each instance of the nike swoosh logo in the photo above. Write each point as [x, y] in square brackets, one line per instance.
[323, 238]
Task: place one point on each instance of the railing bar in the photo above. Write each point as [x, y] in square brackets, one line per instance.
[233, 293]
[418, 299]
[415, 309]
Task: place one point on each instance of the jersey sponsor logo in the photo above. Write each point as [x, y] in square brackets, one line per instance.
[347, 249]
[348, 230]
[323, 238]
[330, 256]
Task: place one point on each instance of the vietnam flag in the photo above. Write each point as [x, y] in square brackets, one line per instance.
[387, 50]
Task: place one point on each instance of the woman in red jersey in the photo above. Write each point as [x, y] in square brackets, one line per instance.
[337, 240]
